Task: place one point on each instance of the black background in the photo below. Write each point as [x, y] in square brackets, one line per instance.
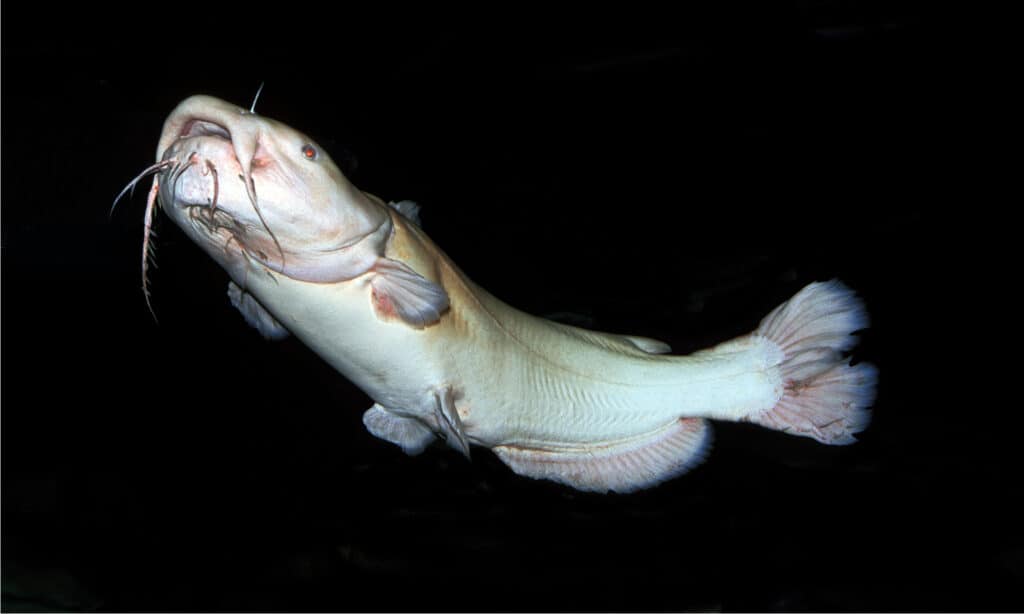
[674, 176]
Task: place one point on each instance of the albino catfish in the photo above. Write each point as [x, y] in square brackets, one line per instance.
[358, 281]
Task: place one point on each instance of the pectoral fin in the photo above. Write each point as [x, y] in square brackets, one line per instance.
[401, 293]
[255, 314]
[408, 433]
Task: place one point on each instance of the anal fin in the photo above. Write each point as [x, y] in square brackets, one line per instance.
[621, 466]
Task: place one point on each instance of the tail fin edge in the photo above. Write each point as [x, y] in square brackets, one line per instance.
[824, 396]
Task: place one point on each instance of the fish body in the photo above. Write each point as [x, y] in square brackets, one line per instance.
[359, 282]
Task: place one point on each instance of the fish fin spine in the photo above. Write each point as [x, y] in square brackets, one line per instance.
[449, 423]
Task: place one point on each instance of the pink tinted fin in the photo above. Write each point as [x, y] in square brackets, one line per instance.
[408, 433]
[830, 407]
[621, 466]
[401, 293]
[255, 314]
[824, 397]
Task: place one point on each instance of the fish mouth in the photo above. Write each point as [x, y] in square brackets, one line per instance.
[199, 182]
[196, 127]
[190, 178]
[199, 132]
[201, 154]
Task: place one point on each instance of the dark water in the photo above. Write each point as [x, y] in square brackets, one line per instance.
[673, 180]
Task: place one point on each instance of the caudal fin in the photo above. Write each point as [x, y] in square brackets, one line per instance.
[824, 397]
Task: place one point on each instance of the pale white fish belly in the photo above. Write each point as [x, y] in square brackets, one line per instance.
[516, 386]
[392, 364]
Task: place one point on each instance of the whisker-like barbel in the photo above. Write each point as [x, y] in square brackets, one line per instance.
[152, 202]
[180, 170]
[159, 166]
[147, 246]
[250, 188]
[151, 205]
[252, 109]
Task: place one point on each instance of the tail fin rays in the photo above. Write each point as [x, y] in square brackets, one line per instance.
[825, 397]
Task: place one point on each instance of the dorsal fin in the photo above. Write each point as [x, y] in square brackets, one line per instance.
[651, 346]
[410, 210]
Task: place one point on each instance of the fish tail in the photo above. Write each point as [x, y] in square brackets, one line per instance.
[823, 396]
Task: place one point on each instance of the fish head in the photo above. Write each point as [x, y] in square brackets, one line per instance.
[249, 189]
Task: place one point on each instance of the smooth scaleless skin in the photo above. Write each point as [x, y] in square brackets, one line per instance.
[358, 281]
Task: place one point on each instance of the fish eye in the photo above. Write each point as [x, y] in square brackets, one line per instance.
[309, 152]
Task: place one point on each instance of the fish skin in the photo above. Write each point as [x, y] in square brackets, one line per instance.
[592, 410]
